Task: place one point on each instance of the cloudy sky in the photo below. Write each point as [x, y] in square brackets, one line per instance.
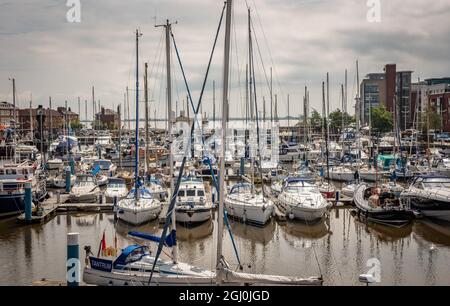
[301, 39]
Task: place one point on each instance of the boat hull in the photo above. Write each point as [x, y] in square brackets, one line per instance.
[248, 213]
[139, 215]
[195, 215]
[11, 205]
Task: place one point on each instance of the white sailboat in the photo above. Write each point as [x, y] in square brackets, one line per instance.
[139, 206]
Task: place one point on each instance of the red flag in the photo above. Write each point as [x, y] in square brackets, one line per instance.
[103, 242]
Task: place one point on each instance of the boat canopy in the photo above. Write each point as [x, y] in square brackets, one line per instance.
[143, 193]
[237, 188]
[130, 254]
[116, 181]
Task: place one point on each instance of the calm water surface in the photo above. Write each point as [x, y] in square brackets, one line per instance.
[338, 249]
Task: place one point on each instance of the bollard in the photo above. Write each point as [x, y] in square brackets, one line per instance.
[58, 197]
[100, 198]
[72, 166]
[242, 168]
[68, 180]
[73, 260]
[338, 194]
[115, 207]
[28, 201]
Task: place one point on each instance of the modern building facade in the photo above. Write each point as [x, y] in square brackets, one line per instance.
[391, 89]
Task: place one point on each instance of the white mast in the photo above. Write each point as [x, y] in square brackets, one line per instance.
[168, 30]
[224, 126]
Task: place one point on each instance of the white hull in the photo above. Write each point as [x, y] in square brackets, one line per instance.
[84, 197]
[372, 176]
[138, 215]
[193, 215]
[304, 213]
[341, 176]
[247, 212]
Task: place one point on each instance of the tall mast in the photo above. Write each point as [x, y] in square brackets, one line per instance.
[85, 110]
[31, 117]
[214, 104]
[128, 111]
[246, 96]
[358, 113]
[120, 134]
[136, 179]
[93, 108]
[79, 108]
[271, 97]
[328, 107]
[250, 69]
[168, 30]
[288, 109]
[305, 122]
[147, 140]
[51, 117]
[342, 119]
[14, 102]
[224, 126]
[326, 130]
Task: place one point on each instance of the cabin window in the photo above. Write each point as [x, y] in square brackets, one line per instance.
[190, 193]
[201, 193]
[181, 193]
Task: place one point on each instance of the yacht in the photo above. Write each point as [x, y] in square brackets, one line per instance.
[430, 196]
[380, 205]
[85, 189]
[192, 205]
[247, 205]
[13, 178]
[116, 188]
[302, 200]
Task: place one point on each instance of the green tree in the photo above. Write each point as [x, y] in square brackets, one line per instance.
[335, 120]
[76, 124]
[315, 120]
[431, 120]
[382, 120]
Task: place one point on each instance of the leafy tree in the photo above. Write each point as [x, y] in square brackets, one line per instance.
[76, 124]
[315, 120]
[382, 120]
[431, 120]
[335, 120]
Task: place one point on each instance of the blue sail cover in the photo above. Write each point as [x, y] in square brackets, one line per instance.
[171, 239]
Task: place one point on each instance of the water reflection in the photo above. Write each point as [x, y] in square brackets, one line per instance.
[433, 231]
[337, 249]
[262, 235]
[198, 232]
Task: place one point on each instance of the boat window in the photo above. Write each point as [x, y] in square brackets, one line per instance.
[181, 193]
[200, 193]
[190, 192]
[437, 183]
[103, 164]
[135, 255]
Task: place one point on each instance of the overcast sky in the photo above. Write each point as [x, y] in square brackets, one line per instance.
[301, 39]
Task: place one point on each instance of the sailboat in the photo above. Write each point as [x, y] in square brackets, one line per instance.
[135, 265]
[139, 206]
[243, 202]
